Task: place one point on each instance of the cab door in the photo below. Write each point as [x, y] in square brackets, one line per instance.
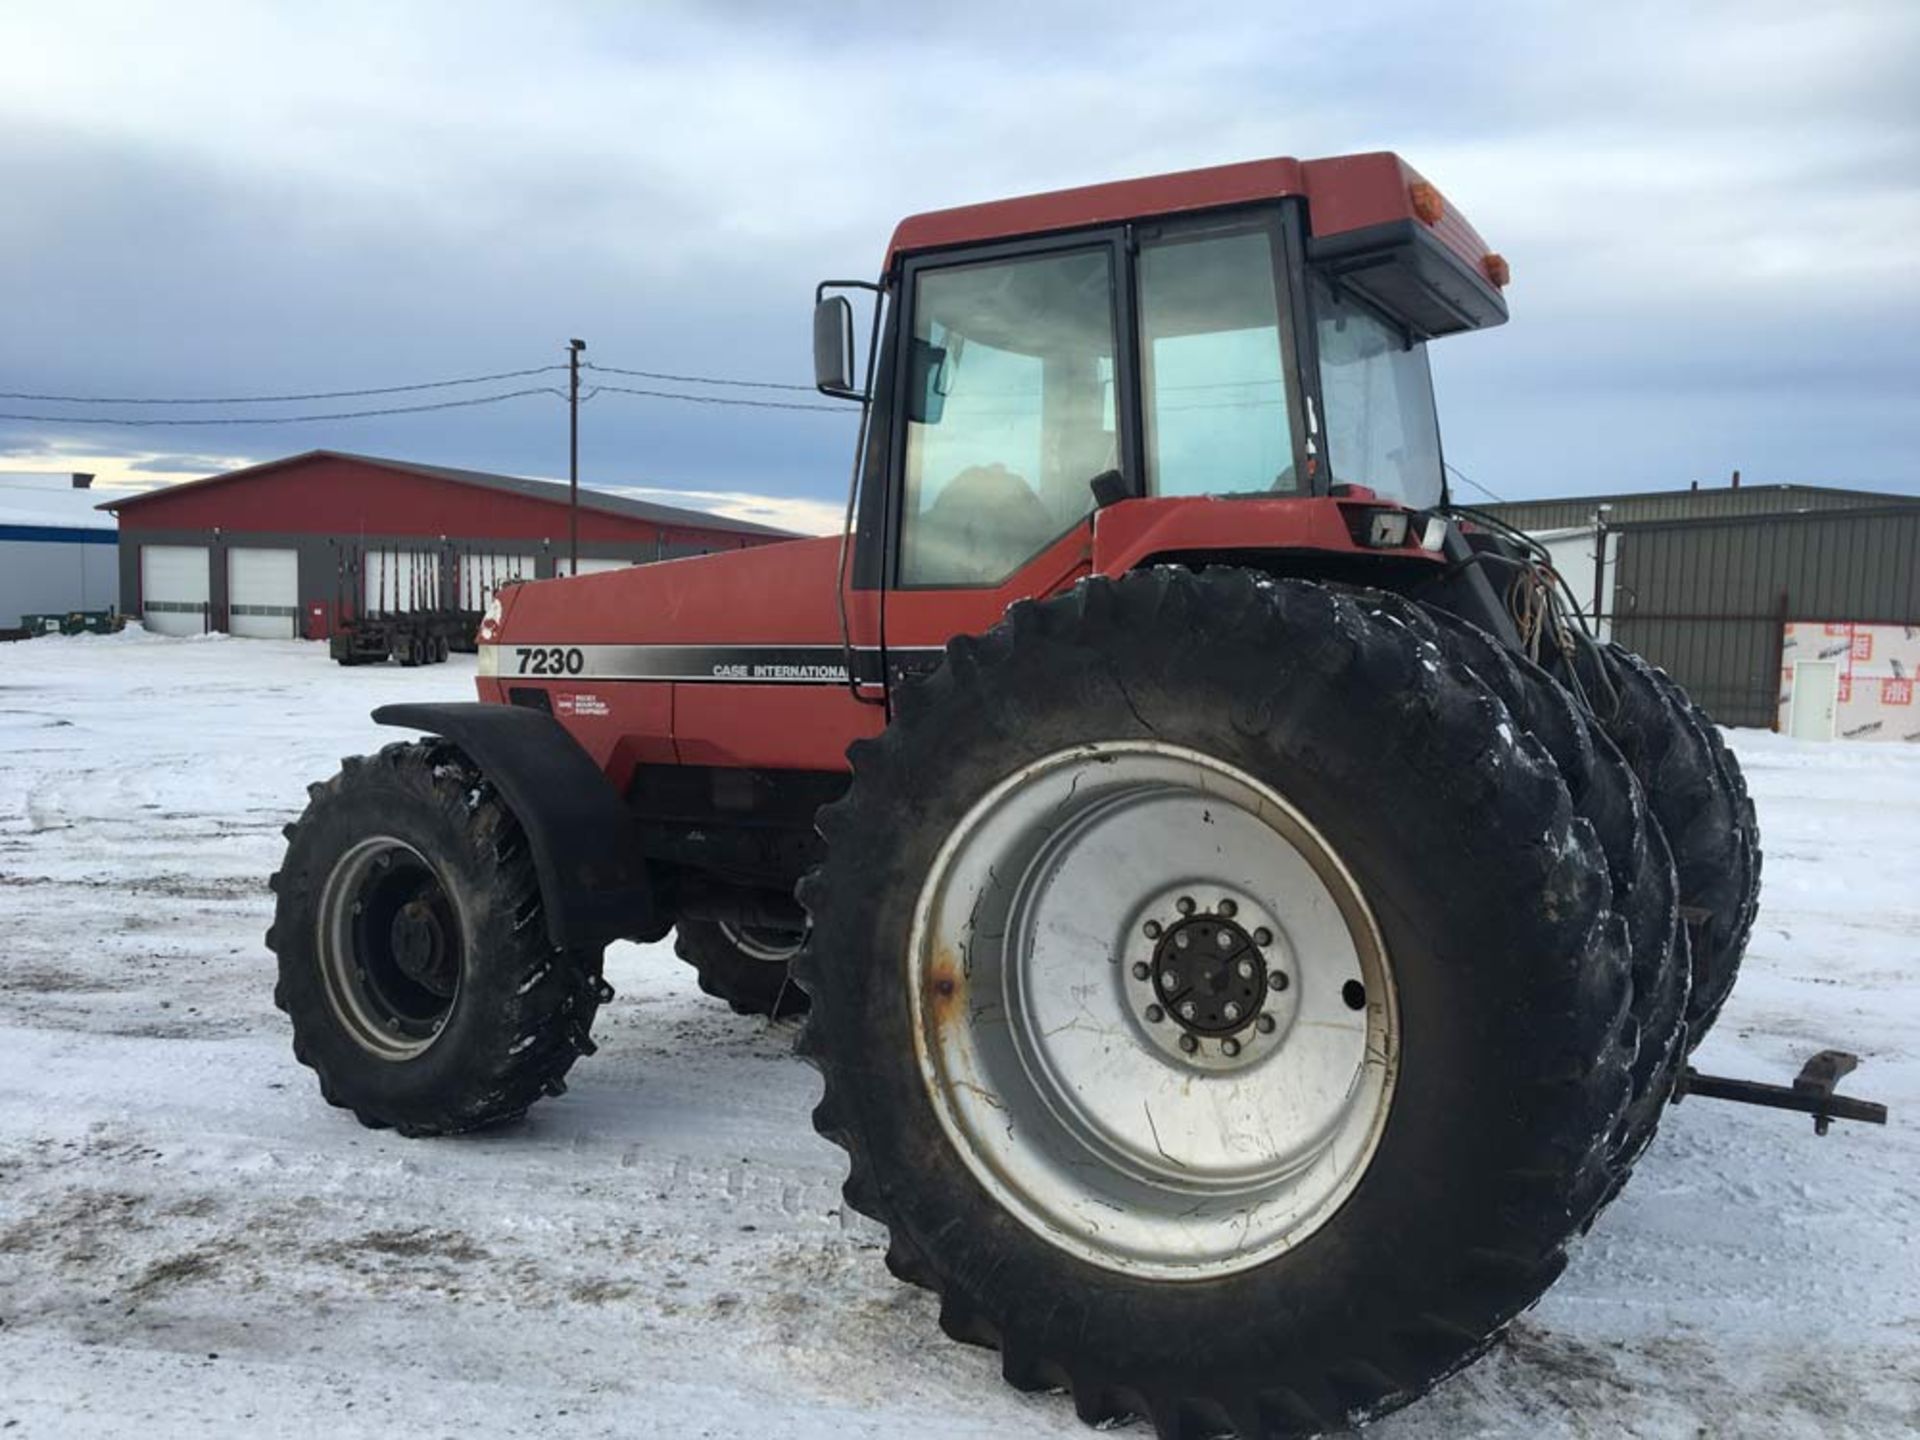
[1012, 369]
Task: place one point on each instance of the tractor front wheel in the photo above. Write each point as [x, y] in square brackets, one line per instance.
[1219, 1001]
[414, 958]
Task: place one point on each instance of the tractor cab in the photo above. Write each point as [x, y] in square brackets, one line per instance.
[1250, 331]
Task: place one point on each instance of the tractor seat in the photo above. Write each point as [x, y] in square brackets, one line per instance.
[985, 521]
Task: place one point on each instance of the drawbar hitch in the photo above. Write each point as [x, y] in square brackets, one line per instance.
[1811, 1092]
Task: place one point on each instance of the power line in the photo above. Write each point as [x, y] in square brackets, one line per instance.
[273, 399]
[282, 419]
[708, 399]
[143, 420]
[1462, 475]
[651, 394]
[697, 379]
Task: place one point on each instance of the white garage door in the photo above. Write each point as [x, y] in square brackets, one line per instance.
[590, 566]
[481, 575]
[174, 588]
[263, 593]
[398, 581]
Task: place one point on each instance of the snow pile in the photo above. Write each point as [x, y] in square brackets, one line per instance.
[191, 1242]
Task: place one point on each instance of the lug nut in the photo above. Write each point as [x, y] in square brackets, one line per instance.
[1155, 1014]
[1151, 929]
[1230, 1010]
[1189, 1044]
[1184, 905]
[1226, 908]
[1244, 969]
[1264, 1024]
[1277, 980]
[1169, 979]
[1229, 1048]
[1263, 936]
[1141, 970]
[1183, 940]
[1224, 939]
[1187, 1011]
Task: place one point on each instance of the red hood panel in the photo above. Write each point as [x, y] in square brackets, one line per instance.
[769, 595]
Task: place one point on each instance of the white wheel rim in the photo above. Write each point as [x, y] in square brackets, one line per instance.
[771, 946]
[1042, 994]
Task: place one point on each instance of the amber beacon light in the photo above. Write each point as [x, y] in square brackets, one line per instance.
[1426, 202]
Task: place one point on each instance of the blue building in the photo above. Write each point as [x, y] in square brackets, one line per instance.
[57, 552]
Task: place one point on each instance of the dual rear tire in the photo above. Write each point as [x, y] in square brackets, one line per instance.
[1606, 792]
[1695, 789]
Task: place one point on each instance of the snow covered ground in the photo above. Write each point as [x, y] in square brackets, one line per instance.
[190, 1242]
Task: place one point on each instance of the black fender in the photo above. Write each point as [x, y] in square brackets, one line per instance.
[1465, 590]
[594, 881]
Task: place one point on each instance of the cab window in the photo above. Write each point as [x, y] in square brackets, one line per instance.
[1213, 368]
[1010, 412]
[1381, 428]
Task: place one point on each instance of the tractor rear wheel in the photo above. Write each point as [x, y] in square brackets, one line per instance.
[414, 958]
[1221, 1006]
[744, 965]
[1696, 791]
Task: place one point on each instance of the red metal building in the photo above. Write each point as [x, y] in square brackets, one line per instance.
[288, 547]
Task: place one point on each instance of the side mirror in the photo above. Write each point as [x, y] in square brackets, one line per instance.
[833, 346]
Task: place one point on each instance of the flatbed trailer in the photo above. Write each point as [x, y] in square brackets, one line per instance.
[412, 638]
[389, 604]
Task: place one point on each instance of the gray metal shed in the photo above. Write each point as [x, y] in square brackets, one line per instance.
[1708, 599]
[1704, 582]
[1693, 504]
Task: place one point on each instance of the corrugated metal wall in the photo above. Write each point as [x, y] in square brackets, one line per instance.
[53, 576]
[1686, 505]
[1705, 599]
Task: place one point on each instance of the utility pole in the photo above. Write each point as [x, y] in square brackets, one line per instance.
[574, 347]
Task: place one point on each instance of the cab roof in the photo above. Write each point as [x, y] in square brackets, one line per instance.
[1345, 194]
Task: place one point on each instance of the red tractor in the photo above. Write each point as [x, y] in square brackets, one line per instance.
[1247, 926]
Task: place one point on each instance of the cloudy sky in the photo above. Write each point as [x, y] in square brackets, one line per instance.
[1712, 212]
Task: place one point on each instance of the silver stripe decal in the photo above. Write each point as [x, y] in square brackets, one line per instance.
[722, 664]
